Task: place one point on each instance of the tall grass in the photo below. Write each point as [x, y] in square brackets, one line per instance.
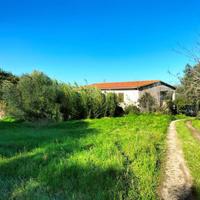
[109, 158]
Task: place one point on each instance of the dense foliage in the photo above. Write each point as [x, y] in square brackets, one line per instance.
[147, 103]
[6, 76]
[35, 96]
[188, 93]
[109, 158]
[190, 84]
[131, 109]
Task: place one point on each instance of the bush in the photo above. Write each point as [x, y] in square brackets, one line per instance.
[119, 112]
[131, 109]
[168, 107]
[11, 96]
[6, 76]
[80, 103]
[33, 98]
[147, 103]
[111, 105]
[65, 99]
[92, 103]
[37, 97]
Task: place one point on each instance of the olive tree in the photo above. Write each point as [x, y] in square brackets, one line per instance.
[33, 98]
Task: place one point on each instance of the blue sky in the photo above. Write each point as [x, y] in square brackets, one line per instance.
[98, 40]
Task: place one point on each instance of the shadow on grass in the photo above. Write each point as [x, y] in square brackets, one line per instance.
[54, 163]
[17, 137]
[89, 182]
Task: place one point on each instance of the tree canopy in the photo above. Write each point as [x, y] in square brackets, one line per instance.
[7, 76]
[188, 93]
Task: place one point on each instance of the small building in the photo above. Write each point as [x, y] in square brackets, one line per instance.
[130, 92]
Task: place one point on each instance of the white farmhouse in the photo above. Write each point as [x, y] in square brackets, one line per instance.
[130, 92]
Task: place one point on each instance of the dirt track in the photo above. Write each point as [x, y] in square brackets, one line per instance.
[177, 184]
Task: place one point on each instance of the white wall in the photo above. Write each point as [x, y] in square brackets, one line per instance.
[130, 96]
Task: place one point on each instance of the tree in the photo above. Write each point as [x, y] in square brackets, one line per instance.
[188, 92]
[6, 76]
[111, 104]
[11, 96]
[33, 98]
[65, 99]
[93, 102]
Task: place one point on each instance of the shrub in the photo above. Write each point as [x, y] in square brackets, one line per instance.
[33, 98]
[94, 101]
[37, 97]
[6, 76]
[95, 104]
[119, 111]
[65, 100]
[111, 104]
[168, 107]
[12, 98]
[131, 109]
[79, 107]
[171, 107]
[99, 105]
[147, 103]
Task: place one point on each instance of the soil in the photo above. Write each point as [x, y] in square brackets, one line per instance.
[177, 184]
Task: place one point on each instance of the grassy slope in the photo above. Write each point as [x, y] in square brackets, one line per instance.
[110, 158]
[191, 148]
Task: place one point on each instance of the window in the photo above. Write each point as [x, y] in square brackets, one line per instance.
[121, 97]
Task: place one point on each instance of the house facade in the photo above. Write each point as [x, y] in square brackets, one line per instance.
[130, 92]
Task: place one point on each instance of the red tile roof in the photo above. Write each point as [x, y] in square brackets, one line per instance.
[123, 85]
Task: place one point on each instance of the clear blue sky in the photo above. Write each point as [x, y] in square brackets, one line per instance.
[97, 40]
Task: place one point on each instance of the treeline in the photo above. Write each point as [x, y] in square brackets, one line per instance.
[188, 92]
[35, 96]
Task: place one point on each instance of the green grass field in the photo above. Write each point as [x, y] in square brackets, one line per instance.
[191, 149]
[103, 159]
[196, 124]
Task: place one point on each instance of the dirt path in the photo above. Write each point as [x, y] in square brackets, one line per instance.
[195, 132]
[177, 184]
